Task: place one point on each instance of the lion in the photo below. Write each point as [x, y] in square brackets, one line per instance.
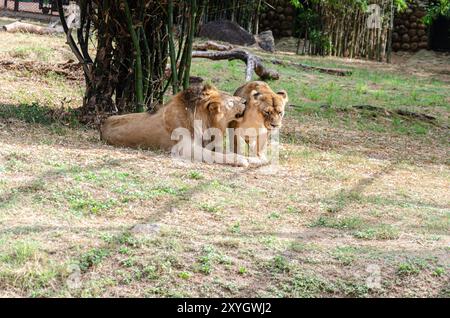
[214, 108]
[264, 113]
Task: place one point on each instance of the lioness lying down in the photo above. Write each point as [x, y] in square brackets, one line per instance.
[215, 109]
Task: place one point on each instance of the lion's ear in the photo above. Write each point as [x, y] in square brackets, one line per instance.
[207, 88]
[214, 108]
[283, 94]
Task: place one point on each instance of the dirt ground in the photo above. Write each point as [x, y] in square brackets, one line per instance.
[358, 206]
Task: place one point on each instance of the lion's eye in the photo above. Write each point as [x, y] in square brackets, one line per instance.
[266, 113]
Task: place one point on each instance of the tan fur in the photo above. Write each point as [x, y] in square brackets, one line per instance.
[143, 130]
[265, 110]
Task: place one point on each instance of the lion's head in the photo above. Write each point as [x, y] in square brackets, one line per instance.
[216, 108]
[263, 104]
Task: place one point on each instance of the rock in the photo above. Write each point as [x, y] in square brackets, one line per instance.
[414, 46]
[423, 45]
[266, 41]
[227, 31]
[405, 46]
[421, 26]
[285, 25]
[395, 36]
[421, 32]
[146, 229]
[424, 38]
[415, 38]
[420, 14]
[402, 29]
[395, 46]
[280, 9]
[413, 25]
[412, 32]
[289, 11]
[405, 38]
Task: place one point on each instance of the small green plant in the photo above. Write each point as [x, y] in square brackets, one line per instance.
[381, 232]
[308, 285]
[345, 255]
[128, 262]
[205, 261]
[184, 275]
[235, 228]
[20, 253]
[439, 271]
[345, 223]
[124, 250]
[92, 257]
[411, 267]
[280, 264]
[150, 272]
[195, 175]
[210, 208]
[242, 270]
[274, 216]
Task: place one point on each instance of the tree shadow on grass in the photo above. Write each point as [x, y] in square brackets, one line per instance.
[35, 113]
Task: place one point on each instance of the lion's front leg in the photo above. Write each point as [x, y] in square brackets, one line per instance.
[210, 156]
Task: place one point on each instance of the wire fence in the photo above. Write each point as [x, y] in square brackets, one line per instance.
[48, 7]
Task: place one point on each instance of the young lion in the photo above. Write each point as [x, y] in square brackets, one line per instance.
[214, 108]
[264, 112]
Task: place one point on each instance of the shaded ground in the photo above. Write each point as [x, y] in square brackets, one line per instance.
[358, 207]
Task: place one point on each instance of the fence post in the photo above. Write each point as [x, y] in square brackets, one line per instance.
[16, 5]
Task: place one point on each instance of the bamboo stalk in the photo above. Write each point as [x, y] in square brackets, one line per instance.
[138, 59]
[173, 62]
[190, 43]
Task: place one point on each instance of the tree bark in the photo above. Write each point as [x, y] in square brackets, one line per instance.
[253, 62]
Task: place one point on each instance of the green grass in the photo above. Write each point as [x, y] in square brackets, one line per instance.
[20, 253]
[408, 269]
[36, 113]
[307, 286]
[92, 258]
[280, 264]
[380, 232]
[345, 223]
[210, 208]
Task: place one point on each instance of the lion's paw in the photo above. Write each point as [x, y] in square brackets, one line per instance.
[241, 162]
[257, 161]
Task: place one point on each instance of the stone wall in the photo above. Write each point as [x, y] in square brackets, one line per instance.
[410, 34]
[280, 19]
